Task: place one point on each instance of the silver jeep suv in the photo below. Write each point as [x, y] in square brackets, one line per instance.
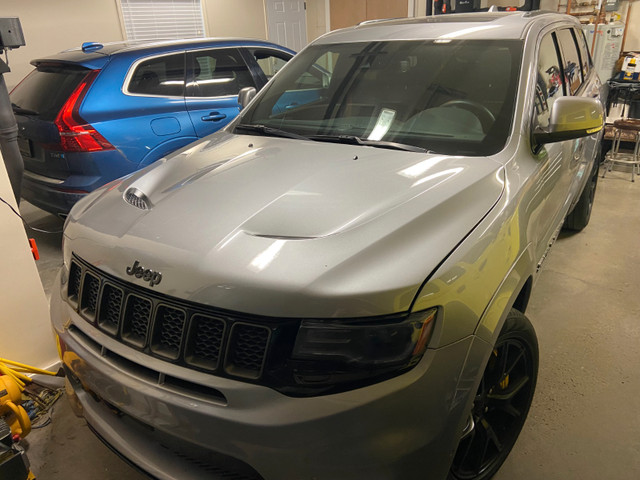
[334, 286]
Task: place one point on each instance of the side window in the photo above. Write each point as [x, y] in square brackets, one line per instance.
[308, 85]
[572, 72]
[549, 82]
[159, 76]
[583, 50]
[217, 73]
[270, 61]
[319, 76]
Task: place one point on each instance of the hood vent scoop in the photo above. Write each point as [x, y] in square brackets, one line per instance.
[135, 197]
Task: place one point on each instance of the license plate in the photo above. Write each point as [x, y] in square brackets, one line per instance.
[25, 146]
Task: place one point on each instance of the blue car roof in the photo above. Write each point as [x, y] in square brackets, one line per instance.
[96, 57]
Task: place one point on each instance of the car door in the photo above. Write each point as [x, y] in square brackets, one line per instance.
[214, 80]
[552, 178]
[150, 120]
[580, 82]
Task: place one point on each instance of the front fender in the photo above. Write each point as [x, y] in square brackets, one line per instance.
[503, 300]
[481, 279]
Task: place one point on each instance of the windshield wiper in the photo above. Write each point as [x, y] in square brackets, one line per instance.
[350, 139]
[269, 131]
[354, 140]
[22, 111]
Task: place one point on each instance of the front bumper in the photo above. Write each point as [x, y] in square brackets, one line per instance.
[176, 423]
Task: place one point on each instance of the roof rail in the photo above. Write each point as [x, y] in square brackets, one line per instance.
[379, 20]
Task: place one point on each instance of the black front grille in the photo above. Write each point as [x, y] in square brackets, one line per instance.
[168, 331]
[75, 276]
[246, 341]
[205, 341]
[111, 308]
[175, 330]
[90, 290]
[137, 318]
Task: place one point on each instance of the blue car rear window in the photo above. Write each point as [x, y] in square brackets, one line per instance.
[47, 88]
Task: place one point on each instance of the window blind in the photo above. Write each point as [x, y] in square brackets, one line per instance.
[162, 19]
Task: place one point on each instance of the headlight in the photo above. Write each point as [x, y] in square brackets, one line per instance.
[337, 355]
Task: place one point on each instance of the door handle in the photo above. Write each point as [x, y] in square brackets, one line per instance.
[214, 117]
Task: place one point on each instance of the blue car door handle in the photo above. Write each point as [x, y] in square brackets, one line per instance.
[214, 117]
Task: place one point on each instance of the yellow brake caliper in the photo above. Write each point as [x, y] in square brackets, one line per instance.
[504, 383]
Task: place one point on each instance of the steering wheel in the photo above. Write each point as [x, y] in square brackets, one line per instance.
[484, 115]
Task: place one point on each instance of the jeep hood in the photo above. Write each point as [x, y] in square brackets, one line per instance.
[286, 227]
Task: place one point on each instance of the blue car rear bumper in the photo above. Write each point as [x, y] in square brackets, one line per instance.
[88, 171]
[49, 198]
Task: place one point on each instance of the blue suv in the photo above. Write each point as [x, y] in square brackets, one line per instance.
[89, 115]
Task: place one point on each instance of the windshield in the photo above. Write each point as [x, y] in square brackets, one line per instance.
[453, 97]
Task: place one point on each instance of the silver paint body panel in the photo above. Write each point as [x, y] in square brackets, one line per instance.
[316, 232]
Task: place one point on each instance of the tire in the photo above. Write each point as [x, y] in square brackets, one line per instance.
[502, 402]
[581, 213]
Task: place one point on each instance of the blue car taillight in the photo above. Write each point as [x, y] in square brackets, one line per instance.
[76, 135]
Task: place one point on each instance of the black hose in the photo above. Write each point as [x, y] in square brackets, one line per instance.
[9, 137]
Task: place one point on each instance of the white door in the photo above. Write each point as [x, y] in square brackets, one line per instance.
[287, 23]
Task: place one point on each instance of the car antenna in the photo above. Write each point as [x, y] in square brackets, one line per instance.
[88, 47]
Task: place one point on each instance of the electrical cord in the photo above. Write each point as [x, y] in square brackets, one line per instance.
[41, 415]
[35, 229]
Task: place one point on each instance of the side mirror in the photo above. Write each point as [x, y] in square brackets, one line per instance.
[571, 117]
[245, 96]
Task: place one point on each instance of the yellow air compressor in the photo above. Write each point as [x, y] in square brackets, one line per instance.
[15, 415]
[14, 420]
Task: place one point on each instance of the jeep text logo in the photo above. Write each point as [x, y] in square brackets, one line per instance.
[147, 275]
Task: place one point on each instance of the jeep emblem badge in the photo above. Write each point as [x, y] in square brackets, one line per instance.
[145, 274]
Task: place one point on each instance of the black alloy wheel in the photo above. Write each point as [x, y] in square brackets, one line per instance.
[501, 403]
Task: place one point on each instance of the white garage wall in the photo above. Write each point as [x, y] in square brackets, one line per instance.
[52, 26]
[25, 330]
[235, 18]
[632, 41]
[421, 8]
[316, 18]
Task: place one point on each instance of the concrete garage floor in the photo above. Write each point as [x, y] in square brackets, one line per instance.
[584, 421]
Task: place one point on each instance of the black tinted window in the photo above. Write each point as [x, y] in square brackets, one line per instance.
[218, 73]
[549, 84]
[46, 89]
[585, 59]
[159, 76]
[571, 60]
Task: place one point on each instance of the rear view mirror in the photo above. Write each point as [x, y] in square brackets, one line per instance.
[245, 96]
[572, 117]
